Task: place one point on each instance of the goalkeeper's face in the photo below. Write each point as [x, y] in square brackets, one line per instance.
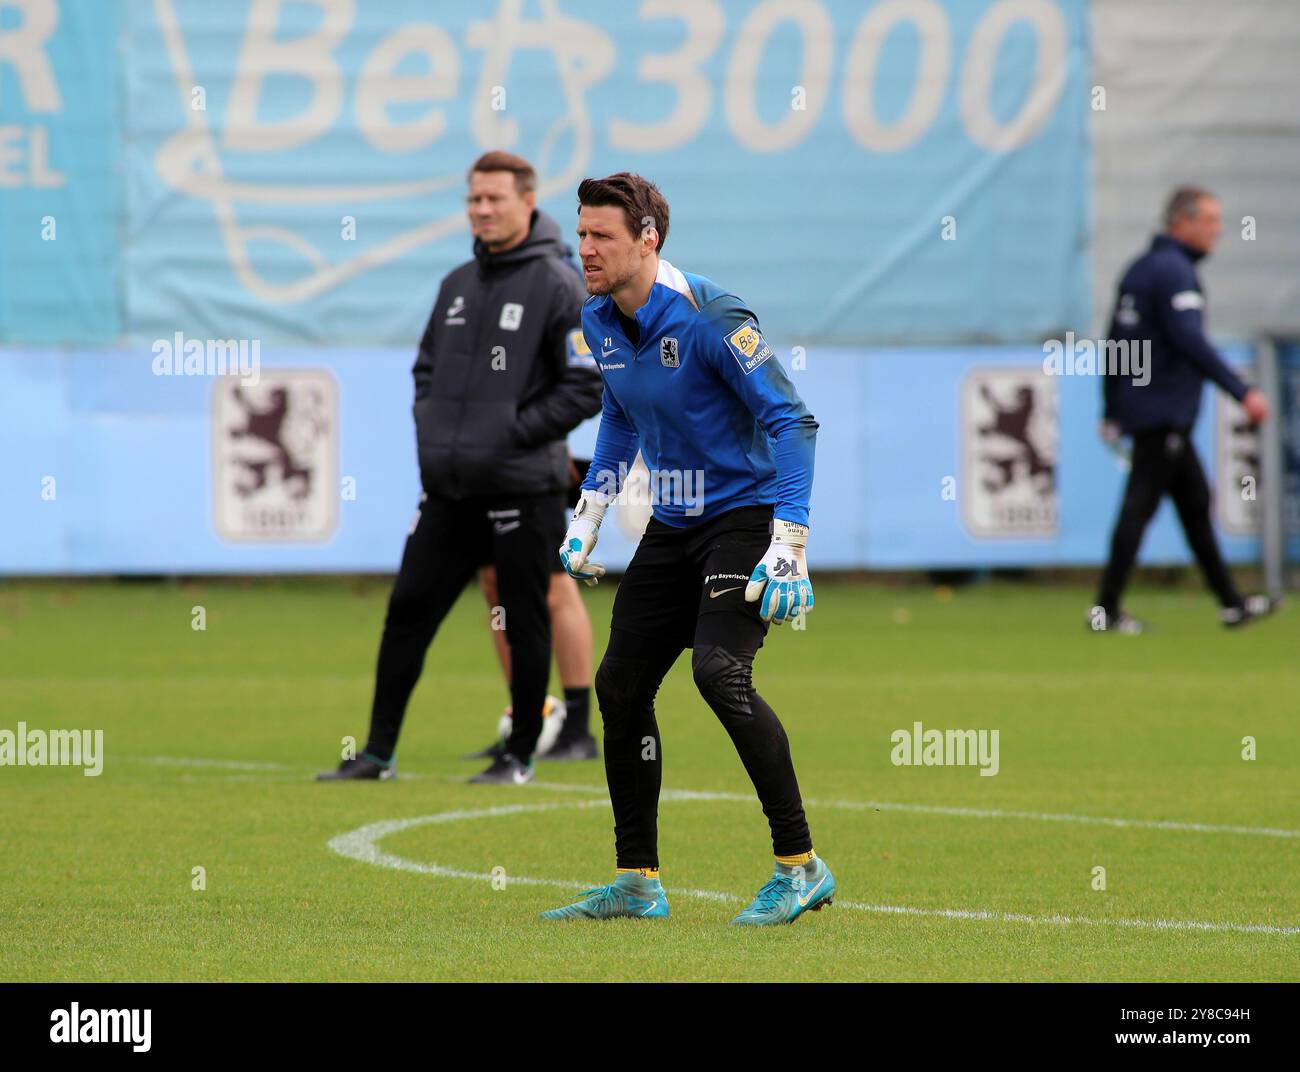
[611, 254]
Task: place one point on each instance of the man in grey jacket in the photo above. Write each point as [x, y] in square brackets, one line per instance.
[502, 376]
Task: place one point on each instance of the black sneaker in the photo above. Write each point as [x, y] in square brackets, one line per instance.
[1099, 621]
[505, 770]
[1252, 609]
[493, 751]
[568, 751]
[362, 768]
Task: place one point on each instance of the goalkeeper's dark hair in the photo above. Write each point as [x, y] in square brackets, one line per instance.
[1184, 202]
[642, 204]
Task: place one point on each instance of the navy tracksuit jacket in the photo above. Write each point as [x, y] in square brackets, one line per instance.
[1160, 300]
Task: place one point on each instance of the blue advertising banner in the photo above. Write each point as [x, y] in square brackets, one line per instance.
[61, 134]
[905, 170]
[304, 461]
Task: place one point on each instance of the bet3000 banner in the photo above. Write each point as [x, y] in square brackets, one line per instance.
[901, 170]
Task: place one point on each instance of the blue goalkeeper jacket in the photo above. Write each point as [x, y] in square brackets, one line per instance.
[704, 399]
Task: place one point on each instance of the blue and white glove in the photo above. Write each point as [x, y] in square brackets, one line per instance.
[781, 577]
[584, 529]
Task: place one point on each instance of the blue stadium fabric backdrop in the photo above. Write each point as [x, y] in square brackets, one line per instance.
[898, 189]
[294, 171]
[983, 461]
[62, 217]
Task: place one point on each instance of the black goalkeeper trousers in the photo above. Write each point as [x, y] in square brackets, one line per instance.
[447, 544]
[1165, 461]
[685, 588]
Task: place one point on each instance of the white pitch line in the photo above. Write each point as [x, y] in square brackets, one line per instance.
[971, 813]
[223, 764]
[1064, 817]
[362, 845]
[1017, 917]
[848, 805]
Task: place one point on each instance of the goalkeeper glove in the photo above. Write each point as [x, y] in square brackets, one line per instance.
[781, 577]
[584, 529]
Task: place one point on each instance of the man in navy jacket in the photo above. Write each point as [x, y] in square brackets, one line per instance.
[1159, 308]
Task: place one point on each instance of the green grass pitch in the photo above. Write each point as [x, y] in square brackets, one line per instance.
[211, 738]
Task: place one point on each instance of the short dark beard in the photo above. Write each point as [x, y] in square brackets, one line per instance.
[611, 286]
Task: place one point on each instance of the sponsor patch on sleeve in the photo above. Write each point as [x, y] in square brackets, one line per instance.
[748, 346]
[1187, 299]
[578, 353]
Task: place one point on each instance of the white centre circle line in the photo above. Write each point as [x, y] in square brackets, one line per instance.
[362, 844]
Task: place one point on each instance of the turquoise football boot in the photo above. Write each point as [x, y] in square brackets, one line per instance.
[791, 892]
[629, 895]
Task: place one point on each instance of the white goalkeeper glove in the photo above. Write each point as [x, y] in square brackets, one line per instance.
[781, 577]
[584, 529]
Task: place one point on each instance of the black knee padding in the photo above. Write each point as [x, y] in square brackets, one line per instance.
[725, 682]
[616, 683]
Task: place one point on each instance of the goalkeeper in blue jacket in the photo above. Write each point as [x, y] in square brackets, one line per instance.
[691, 383]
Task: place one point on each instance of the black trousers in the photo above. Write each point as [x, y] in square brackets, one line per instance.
[444, 550]
[1164, 461]
[685, 588]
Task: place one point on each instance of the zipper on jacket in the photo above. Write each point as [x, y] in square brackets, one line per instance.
[488, 289]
